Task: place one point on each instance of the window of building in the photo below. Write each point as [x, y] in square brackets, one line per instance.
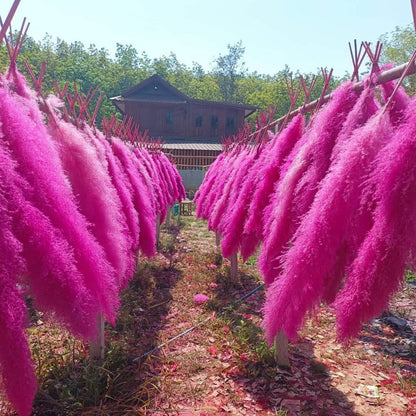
[198, 121]
[230, 122]
[214, 122]
[169, 117]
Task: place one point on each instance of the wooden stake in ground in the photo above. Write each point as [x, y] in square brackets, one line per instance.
[168, 215]
[217, 240]
[234, 268]
[97, 346]
[282, 352]
[157, 230]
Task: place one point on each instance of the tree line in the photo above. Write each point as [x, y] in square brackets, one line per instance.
[228, 81]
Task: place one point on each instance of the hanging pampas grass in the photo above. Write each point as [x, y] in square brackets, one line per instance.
[125, 193]
[326, 230]
[143, 206]
[380, 264]
[123, 202]
[297, 188]
[55, 213]
[16, 366]
[221, 176]
[229, 179]
[96, 197]
[208, 184]
[268, 175]
[235, 192]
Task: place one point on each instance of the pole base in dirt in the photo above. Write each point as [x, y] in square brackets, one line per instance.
[157, 230]
[168, 215]
[97, 346]
[217, 240]
[282, 351]
[234, 268]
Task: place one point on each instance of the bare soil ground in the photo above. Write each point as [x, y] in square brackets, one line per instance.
[222, 366]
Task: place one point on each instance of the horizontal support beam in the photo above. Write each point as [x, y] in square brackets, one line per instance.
[383, 77]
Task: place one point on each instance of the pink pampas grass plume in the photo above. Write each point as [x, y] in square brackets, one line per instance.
[142, 170]
[380, 264]
[96, 196]
[325, 231]
[207, 184]
[143, 206]
[296, 189]
[221, 178]
[16, 366]
[144, 157]
[235, 192]
[128, 222]
[50, 267]
[163, 186]
[224, 188]
[124, 190]
[53, 214]
[238, 211]
[268, 175]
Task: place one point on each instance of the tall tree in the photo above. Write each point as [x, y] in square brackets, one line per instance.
[229, 68]
[398, 47]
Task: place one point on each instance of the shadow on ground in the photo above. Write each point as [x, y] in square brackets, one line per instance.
[74, 384]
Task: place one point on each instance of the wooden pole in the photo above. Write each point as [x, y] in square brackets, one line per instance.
[157, 230]
[168, 214]
[413, 4]
[234, 268]
[282, 352]
[217, 240]
[97, 346]
[383, 77]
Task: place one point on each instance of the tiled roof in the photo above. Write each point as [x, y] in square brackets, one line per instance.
[194, 146]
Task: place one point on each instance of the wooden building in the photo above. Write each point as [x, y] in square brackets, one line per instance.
[191, 129]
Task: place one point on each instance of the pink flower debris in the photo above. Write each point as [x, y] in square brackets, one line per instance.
[200, 298]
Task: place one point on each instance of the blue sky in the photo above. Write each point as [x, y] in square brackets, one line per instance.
[304, 35]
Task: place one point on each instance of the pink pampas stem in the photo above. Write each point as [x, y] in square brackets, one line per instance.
[399, 102]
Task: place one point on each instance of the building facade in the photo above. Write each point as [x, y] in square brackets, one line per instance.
[190, 129]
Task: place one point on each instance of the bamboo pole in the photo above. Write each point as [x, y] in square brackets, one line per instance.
[383, 77]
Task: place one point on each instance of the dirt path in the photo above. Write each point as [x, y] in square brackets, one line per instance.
[222, 366]
[232, 372]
